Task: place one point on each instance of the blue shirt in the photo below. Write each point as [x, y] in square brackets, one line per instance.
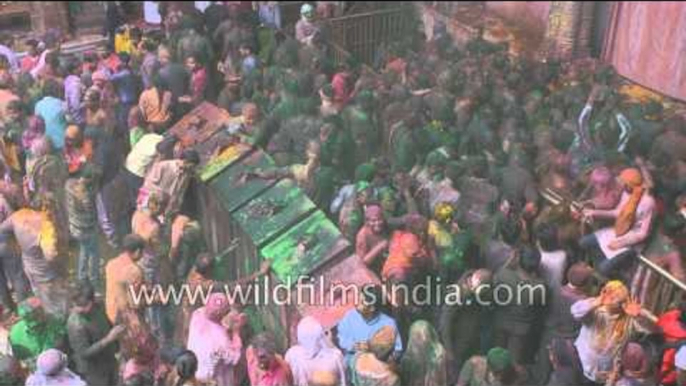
[127, 89]
[249, 65]
[270, 16]
[354, 329]
[53, 112]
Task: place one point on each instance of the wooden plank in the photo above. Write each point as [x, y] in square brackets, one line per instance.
[229, 155]
[235, 191]
[304, 248]
[341, 280]
[274, 212]
[200, 124]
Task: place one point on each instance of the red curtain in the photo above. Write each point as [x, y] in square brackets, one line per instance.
[646, 42]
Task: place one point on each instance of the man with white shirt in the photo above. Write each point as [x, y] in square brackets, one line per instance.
[553, 258]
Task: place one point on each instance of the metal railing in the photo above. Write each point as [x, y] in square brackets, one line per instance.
[656, 289]
[360, 35]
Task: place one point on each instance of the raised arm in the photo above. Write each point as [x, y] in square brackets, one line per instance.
[583, 310]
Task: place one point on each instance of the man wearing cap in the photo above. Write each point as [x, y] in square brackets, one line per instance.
[306, 27]
[496, 368]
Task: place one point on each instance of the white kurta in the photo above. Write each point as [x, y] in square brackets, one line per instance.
[636, 236]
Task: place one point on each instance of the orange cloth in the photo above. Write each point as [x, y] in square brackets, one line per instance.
[10, 154]
[77, 157]
[406, 253]
[627, 214]
[155, 108]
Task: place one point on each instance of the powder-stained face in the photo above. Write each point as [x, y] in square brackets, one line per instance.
[191, 63]
[367, 310]
[613, 296]
[374, 220]
[13, 114]
[264, 357]
[250, 117]
[164, 56]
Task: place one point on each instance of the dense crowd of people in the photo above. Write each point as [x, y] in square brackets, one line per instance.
[458, 163]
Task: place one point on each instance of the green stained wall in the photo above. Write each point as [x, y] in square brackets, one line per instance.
[267, 219]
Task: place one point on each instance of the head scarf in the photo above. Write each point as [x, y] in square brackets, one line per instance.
[443, 212]
[99, 76]
[371, 211]
[51, 370]
[314, 357]
[311, 336]
[436, 158]
[627, 214]
[616, 330]
[51, 362]
[382, 342]
[618, 288]
[365, 172]
[217, 306]
[361, 186]
[306, 9]
[72, 132]
[498, 359]
[424, 361]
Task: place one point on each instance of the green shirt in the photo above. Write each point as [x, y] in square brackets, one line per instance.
[27, 344]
